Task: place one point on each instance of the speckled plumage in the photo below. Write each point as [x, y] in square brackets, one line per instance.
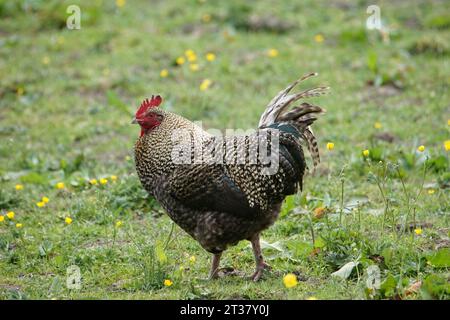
[219, 204]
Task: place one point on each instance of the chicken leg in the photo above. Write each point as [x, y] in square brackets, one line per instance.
[260, 264]
[213, 274]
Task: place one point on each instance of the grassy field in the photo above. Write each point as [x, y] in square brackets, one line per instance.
[66, 102]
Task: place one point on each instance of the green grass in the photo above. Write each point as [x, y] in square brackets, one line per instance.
[66, 101]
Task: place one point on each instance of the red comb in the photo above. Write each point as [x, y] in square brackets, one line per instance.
[153, 102]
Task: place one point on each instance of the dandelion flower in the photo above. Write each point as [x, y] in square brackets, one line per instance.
[377, 125]
[10, 215]
[366, 153]
[206, 17]
[168, 282]
[431, 191]
[68, 220]
[19, 225]
[2, 218]
[120, 3]
[19, 187]
[113, 178]
[418, 231]
[192, 58]
[60, 185]
[447, 145]
[330, 146]
[319, 38]
[45, 200]
[93, 181]
[448, 122]
[20, 91]
[290, 280]
[206, 83]
[192, 259]
[103, 181]
[210, 56]
[46, 60]
[421, 148]
[40, 204]
[164, 73]
[189, 52]
[272, 53]
[194, 67]
[119, 223]
[180, 60]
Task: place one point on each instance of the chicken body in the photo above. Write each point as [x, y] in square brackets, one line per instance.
[227, 195]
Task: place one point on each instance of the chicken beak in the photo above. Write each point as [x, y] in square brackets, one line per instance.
[134, 121]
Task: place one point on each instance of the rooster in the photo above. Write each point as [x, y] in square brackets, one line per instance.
[220, 203]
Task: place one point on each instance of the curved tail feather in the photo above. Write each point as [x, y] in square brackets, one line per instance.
[302, 116]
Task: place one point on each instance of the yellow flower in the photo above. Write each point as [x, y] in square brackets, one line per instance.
[10, 215]
[45, 60]
[2, 218]
[311, 298]
[20, 91]
[60, 185]
[290, 280]
[272, 53]
[192, 58]
[40, 204]
[120, 3]
[377, 125]
[19, 225]
[68, 220]
[448, 122]
[421, 148]
[164, 73]
[192, 259]
[206, 83]
[418, 231]
[127, 158]
[319, 212]
[330, 146]
[119, 223]
[93, 181]
[447, 145]
[45, 199]
[318, 38]
[431, 191]
[206, 17]
[168, 282]
[189, 52]
[180, 60]
[366, 153]
[113, 178]
[19, 187]
[210, 56]
[194, 67]
[103, 181]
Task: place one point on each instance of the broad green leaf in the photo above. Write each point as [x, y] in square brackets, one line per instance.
[440, 259]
